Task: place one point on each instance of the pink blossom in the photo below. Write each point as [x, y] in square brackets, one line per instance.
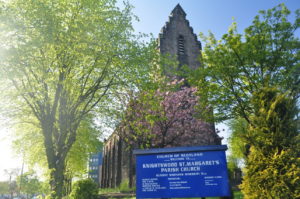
[167, 119]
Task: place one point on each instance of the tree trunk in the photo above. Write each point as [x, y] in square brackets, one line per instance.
[57, 181]
[67, 184]
[57, 144]
[130, 169]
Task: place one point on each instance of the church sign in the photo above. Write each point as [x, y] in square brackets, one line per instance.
[182, 172]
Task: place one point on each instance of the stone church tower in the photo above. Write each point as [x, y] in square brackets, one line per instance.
[178, 40]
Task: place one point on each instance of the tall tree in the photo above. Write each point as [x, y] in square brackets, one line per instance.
[29, 184]
[63, 58]
[236, 66]
[4, 187]
[28, 141]
[238, 79]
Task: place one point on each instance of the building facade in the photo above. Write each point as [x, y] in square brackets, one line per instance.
[178, 40]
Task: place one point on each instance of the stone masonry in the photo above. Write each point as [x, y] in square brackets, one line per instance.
[176, 39]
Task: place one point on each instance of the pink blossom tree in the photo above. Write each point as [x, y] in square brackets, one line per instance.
[166, 119]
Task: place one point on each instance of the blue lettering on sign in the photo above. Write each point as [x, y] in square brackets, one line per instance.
[182, 174]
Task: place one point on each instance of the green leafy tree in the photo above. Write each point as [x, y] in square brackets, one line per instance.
[12, 184]
[62, 60]
[273, 164]
[239, 147]
[4, 187]
[238, 72]
[28, 140]
[29, 184]
[236, 66]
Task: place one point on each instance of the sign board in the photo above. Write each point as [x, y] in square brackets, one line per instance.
[182, 172]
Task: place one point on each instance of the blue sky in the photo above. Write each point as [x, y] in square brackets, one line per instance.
[204, 15]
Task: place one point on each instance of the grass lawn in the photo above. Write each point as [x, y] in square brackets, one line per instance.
[237, 195]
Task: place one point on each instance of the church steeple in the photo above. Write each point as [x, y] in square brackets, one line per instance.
[178, 39]
[178, 11]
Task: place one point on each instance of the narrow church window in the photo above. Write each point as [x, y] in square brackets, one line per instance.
[180, 45]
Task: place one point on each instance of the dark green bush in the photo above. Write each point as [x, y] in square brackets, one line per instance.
[85, 189]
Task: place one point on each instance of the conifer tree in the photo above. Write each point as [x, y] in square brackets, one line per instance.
[273, 164]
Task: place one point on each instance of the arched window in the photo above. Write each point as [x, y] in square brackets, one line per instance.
[180, 46]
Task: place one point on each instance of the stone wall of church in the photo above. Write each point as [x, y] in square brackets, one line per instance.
[116, 162]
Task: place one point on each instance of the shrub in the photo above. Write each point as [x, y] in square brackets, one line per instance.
[85, 189]
[124, 187]
[274, 176]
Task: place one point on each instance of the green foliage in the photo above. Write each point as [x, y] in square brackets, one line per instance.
[85, 189]
[238, 80]
[28, 140]
[238, 138]
[109, 190]
[273, 125]
[232, 164]
[124, 187]
[4, 187]
[273, 166]
[87, 142]
[62, 60]
[29, 184]
[238, 142]
[236, 66]
[142, 88]
[238, 195]
[234, 171]
[273, 176]
[48, 197]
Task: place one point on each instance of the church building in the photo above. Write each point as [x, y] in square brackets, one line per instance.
[176, 39]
